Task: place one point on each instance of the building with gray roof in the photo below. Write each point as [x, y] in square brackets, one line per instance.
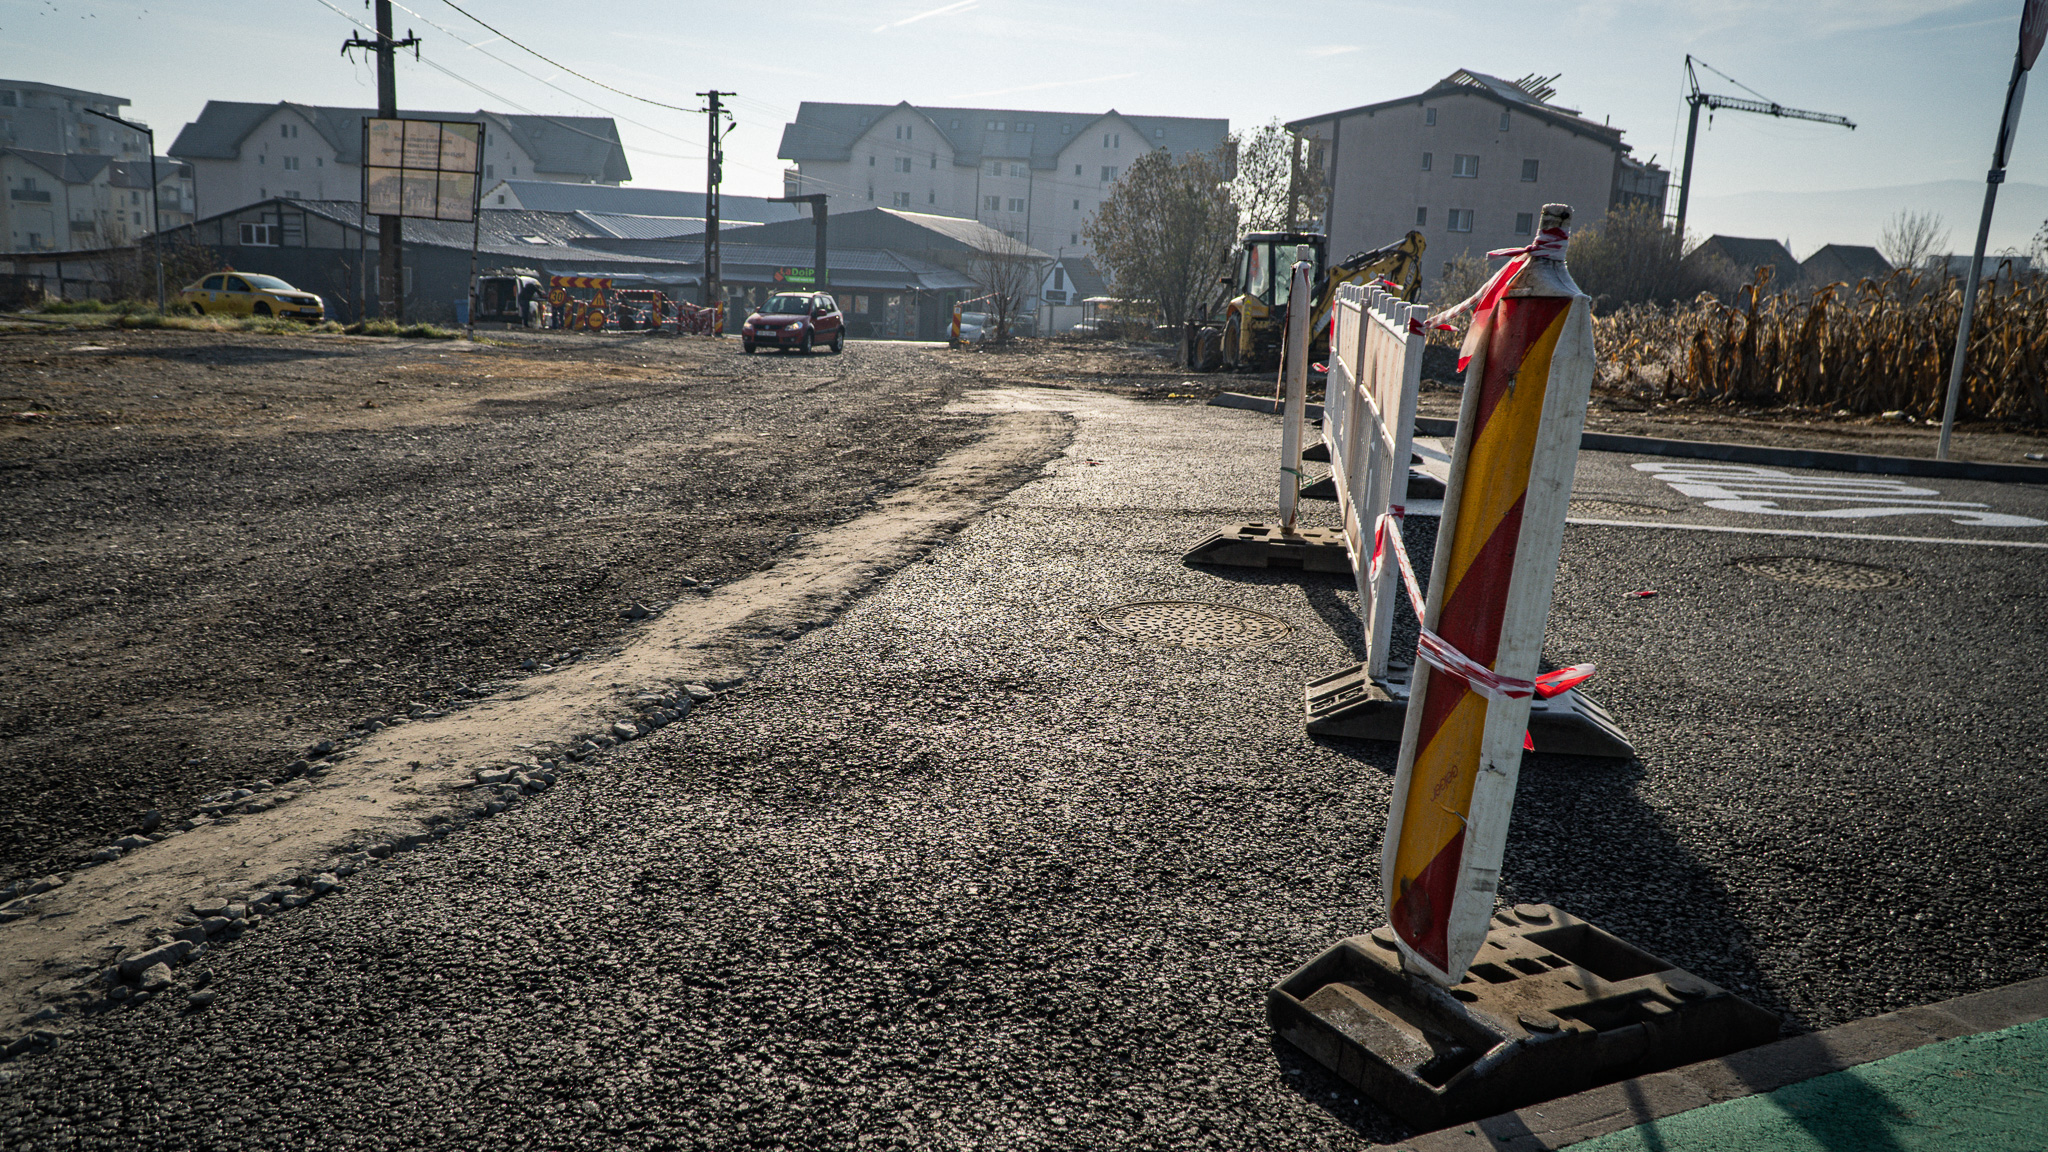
[1845, 263]
[1746, 254]
[241, 153]
[1033, 176]
[1469, 163]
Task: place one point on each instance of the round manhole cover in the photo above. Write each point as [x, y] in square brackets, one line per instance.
[1193, 624]
[1616, 509]
[1835, 575]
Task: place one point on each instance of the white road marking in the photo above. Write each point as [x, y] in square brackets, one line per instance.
[1741, 531]
[1761, 491]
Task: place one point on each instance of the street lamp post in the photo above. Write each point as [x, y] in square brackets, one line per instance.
[156, 217]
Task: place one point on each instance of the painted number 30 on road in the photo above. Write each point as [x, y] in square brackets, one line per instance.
[1770, 492]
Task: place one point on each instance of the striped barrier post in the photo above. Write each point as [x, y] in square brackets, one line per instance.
[1403, 1013]
[1530, 356]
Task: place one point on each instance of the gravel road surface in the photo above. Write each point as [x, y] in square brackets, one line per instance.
[968, 871]
[218, 550]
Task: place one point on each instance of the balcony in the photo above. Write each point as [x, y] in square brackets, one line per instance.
[32, 195]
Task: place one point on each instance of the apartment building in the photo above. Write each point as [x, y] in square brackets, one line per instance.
[242, 153]
[75, 181]
[1470, 163]
[1035, 176]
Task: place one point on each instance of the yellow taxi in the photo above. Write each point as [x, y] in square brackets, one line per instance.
[250, 294]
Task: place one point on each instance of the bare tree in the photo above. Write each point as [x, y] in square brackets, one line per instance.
[1005, 272]
[1633, 256]
[1910, 237]
[1267, 175]
[1165, 233]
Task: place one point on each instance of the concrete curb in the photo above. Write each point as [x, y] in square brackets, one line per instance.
[1730, 453]
[1616, 1107]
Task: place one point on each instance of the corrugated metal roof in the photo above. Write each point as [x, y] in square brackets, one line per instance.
[583, 145]
[548, 196]
[825, 131]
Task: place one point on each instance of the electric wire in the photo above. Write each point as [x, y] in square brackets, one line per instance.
[564, 67]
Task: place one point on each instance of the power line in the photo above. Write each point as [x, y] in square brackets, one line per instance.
[460, 79]
[564, 67]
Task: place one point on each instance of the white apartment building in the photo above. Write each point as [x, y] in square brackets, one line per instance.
[75, 181]
[241, 153]
[1036, 176]
[1470, 164]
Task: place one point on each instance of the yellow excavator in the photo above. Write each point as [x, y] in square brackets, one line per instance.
[1249, 318]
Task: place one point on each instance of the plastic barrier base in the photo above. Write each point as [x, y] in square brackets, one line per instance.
[1421, 486]
[1552, 1006]
[1350, 703]
[1266, 546]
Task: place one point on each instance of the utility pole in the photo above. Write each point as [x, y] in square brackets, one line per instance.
[156, 218]
[714, 173]
[390, 232]
[821, 276]
[1710, 101]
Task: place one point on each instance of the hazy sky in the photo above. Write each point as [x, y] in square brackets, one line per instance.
[1923, 79]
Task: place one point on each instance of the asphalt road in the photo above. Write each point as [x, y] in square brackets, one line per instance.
[967, 871]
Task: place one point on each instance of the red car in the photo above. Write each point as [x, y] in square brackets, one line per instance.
[800, 320]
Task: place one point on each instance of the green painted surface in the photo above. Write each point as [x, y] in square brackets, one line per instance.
[1976, 1093]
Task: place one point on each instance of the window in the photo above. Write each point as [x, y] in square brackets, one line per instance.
[1077, 205]
[902, 200]
[260, 157]
[1112, 139]
[1159, 133]
[292, 193]
[7, 99]
[1503, 119]
[992, 203]
[1461, 220]
[1059, 283]
[931, 197]
[1077, 169]
[321, 162]
[871, 191]
[215, 283]
[1066, 129]
[954, 123]
[935, 160]
[1525, 223]
[1422, 217]
[871, 161]
[903, 131]
[1108, 173]
[1028, 126]
[260, 235]
[287, 131]
[1427, 158]
[1019, 170]
[1466, 166]
[1529, 171]
[501, 197]
[902, 164]
[1016, 204]
[1073, 238]
[997, 125]
[490, 171]
[995, 167]
[1429, 117]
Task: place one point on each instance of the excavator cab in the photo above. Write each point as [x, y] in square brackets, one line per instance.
[1254, 307]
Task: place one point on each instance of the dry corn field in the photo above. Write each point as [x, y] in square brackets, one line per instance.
[1879, 346]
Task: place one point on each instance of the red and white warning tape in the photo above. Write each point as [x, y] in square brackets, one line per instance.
[1439, 653]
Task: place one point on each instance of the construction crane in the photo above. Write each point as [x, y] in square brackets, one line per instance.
[1710, 101]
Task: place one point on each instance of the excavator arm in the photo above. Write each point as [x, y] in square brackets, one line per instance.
[1399, 263]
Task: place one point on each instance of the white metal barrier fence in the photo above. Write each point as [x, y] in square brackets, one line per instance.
[1376, 342]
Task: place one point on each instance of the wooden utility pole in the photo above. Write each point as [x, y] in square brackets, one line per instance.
[714, 173]
[390, 232]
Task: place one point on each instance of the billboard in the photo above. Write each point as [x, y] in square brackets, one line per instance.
[424, 168]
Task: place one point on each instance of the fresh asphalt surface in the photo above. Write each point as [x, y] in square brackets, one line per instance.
[965, 871]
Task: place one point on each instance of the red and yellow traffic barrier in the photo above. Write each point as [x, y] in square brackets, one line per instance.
[1530, 357]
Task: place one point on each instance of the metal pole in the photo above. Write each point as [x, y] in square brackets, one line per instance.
[713, 176]
[476, 224]
[822, 274]
[2015, 92]
[1295, 372]
[390, 229]
[156, 222]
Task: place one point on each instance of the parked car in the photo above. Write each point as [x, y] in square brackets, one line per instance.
[250, 294]
[1094, 327]
[974, 326]
[800, 320]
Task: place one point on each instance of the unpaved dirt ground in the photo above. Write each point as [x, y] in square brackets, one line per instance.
[217, 551]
